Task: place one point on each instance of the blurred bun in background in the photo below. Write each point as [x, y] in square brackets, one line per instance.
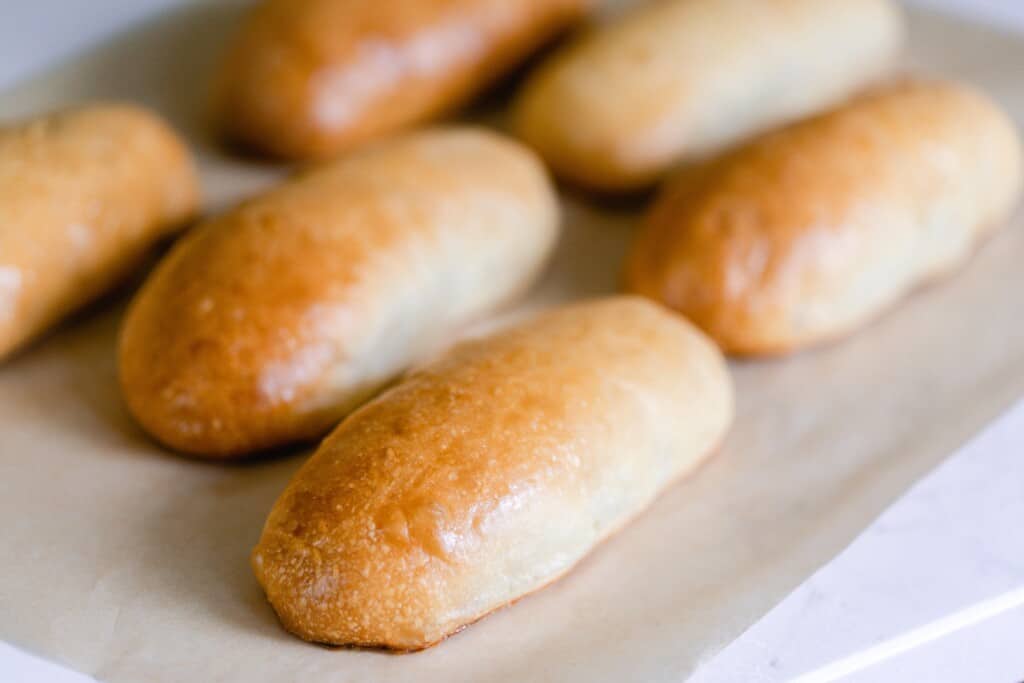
[682, 80]
[309, 79]
[85, 194]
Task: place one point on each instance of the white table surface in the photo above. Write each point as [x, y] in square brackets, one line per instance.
[931, 592]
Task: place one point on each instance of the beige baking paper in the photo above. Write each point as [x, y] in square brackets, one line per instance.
[130, 564]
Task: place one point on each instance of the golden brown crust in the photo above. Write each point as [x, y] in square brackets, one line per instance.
[490, 473]
[311, 78]
[266, 325]
[84, 194]
[803, 235]
[682, 80]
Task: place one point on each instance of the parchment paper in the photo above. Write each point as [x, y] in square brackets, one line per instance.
[128, 563]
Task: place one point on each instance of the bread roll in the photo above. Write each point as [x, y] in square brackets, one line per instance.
[310, 78]
[807, 233]
[268, 324]
[679, 80]
[490, 473]
[84, 194]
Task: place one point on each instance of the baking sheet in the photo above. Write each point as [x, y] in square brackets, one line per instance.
[128, 563]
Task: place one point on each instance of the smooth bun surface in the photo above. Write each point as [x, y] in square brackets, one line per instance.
[308, 79]
[85, 194]
[809, 232]
[681, 80]
[269, 323]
